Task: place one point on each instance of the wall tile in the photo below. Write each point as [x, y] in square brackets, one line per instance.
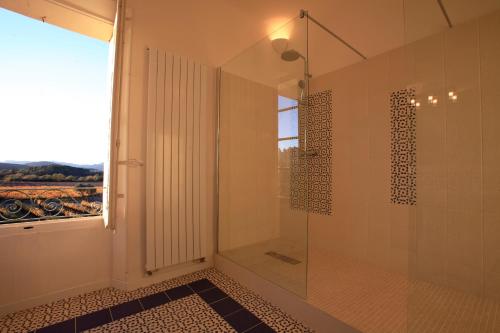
[492, 285]
[431, 121]
[489, 28]
[248, 128]
[491, 243]
[458, 182]
[464, 250]
[431, 243]
[490, 97]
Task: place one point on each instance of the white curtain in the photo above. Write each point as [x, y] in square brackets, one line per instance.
[110, 163]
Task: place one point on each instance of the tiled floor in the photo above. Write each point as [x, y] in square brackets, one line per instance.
[205, 301]
[368, 298]
[374, 300]
[363, 296]
[289, 276]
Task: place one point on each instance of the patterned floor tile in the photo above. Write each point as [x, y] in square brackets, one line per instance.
[186, 313]
[268, 313]
[189, 314]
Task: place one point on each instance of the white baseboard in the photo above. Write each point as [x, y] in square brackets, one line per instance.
[164, 274]
[146, 280]
[52, 297]
[298, 308]
[119, 284]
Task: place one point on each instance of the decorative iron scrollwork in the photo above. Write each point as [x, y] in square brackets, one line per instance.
[44, 203]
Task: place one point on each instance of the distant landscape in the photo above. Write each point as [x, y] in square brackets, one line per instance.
[49, 172]
[33, 191]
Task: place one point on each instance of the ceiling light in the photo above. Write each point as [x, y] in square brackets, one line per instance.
[452, 96]
[278, 27]
[279, 45]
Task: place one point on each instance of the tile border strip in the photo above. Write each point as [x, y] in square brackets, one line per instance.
[235, 314]
[311, 176]
[403, 147]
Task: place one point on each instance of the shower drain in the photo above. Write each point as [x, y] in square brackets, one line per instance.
[283, 257]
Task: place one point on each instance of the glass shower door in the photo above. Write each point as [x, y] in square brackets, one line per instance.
[262, 220]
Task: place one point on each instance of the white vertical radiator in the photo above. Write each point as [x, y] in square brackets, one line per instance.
[176, 167]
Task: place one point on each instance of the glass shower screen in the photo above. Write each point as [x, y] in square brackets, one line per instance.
[262, 223]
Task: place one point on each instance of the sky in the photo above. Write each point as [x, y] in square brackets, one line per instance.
[53, 93]
[288, 123]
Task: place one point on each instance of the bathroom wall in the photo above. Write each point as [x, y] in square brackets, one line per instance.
[489, 41]
[364, 224]
[149, 28]
[249, 203]
[43, 261]
[53, 260]
[451, 235]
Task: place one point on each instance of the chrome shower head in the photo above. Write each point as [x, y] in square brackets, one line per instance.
[291, 55]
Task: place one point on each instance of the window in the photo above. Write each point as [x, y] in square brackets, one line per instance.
[54, 111]
[288, 123]
[288, 140]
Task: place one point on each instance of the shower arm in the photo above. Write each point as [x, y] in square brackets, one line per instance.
[305, 13]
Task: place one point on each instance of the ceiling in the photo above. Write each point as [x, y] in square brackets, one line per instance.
[218, 30]
[372, 27]
[101, 8]
[96, 21]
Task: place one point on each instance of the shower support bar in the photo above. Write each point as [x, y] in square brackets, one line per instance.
[304, 13]
[445, 13]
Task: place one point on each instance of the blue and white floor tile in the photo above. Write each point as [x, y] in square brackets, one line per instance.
[205, 301]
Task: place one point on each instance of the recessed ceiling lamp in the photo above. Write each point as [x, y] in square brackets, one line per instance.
[432, 100]
[414, 102]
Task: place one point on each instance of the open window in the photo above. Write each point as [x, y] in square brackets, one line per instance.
[288, 140]
[55, 110]
[288, 123]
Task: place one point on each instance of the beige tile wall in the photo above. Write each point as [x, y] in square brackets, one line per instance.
[249, 185]
[489, 41]
[364, 224]
[452, 236]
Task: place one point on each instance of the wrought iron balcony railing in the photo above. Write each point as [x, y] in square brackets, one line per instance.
[26, 204]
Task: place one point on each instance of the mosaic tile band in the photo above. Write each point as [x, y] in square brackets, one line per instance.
[403, 147]
[311, 170]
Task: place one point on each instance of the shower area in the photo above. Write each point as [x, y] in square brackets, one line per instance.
[368, 183]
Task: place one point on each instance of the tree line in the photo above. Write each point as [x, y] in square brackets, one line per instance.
[55, 177]
[51, 173]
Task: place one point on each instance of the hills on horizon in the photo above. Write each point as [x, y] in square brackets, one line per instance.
[47, 172]
[9, 164]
